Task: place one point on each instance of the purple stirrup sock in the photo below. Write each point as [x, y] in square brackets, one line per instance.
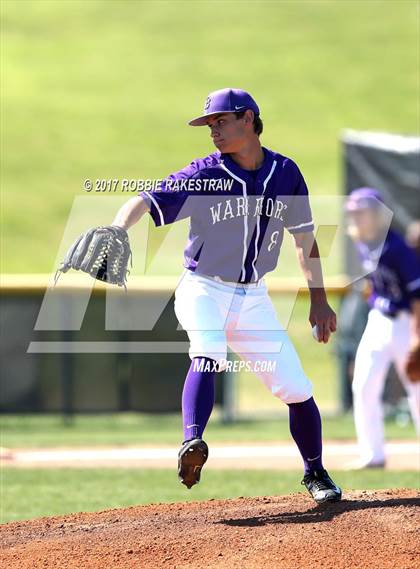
[306, 430]
[198, 397]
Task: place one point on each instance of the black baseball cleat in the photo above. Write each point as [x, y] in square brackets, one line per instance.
[321, 487]
[191, 458]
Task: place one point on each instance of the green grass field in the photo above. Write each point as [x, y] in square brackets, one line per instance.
[33, 493]
[103, 89]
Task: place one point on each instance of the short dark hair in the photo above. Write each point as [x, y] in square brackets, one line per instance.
[258, 124]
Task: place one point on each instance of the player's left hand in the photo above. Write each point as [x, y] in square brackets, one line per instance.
[323, 316]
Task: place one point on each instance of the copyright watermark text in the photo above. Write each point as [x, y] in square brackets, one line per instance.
[114, 185]
[126, 185]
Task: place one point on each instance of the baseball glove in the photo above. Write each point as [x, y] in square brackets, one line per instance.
[102, 252]
[412, 364]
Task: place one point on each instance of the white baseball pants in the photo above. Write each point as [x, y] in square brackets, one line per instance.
[384, 340]
[217, 315]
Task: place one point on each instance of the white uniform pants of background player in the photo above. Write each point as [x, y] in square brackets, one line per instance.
[217, 315]
[384, 341]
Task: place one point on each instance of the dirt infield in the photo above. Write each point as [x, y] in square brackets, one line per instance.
[367, 529]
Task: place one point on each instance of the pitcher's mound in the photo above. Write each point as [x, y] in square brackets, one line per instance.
[365, 530]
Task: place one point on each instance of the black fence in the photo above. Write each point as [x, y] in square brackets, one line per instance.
[71, 381]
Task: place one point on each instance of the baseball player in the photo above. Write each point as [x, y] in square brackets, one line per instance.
[393, 327]
[239, 200]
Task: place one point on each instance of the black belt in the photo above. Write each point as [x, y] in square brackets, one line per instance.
[233, 283]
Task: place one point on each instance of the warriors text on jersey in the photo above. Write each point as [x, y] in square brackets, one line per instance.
[236, 223]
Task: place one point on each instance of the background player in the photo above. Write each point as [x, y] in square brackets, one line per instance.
[393, 326]
[234, 239]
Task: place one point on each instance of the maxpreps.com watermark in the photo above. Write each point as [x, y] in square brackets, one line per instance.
[235, 366]
[126, 185]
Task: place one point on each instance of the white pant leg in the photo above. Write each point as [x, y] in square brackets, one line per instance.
[400, 349]
[372, 362]
[255, 334]
[201, 306]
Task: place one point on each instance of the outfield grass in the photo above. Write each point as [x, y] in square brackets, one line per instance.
[139, 429]
[103, 89]
[34, 493]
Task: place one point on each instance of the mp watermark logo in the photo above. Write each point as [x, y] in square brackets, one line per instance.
[158, 270]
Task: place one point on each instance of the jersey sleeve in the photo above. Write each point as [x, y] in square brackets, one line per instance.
[298, 218]
[408, 265]
[170, 202]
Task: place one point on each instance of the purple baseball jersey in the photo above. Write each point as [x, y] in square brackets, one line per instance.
[237, 217]
[396, 279]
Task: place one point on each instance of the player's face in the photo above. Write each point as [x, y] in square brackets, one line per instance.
[365, 225]
[228, 132]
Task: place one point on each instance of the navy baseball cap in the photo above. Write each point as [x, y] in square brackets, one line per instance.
[364, 198]
[225, 101]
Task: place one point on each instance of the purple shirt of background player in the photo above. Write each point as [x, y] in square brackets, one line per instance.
[393, 266]
[396, 279]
